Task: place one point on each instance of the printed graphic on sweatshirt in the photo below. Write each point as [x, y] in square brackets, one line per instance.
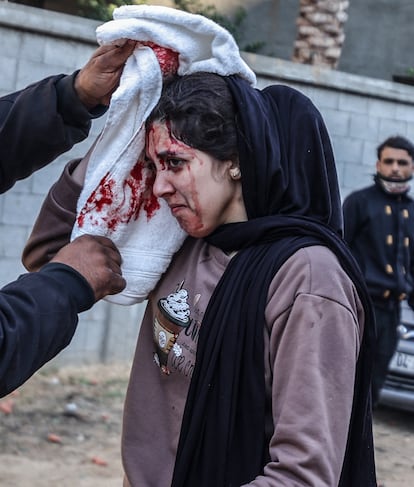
[172, 316]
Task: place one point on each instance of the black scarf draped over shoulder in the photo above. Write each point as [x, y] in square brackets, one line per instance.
[292, 198]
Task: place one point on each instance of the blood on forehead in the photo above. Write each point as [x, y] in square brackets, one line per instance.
[161, 143]
[167, 58]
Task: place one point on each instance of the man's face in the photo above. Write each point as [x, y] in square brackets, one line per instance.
[396, 164]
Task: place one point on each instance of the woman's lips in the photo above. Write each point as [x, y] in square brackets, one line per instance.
[177, 208]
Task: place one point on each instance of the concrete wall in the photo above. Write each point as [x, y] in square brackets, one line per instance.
[359, 112]
[378, 40]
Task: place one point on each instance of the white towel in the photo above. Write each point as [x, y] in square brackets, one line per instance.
[117, 199]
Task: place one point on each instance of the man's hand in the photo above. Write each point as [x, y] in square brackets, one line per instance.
[99, 262]
[99, 78]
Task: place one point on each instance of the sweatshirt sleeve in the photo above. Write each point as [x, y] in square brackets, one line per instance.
[313, 344]
[39, 123]
[38, 317]
[53, 226]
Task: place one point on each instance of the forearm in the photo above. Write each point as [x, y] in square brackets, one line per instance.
[55, 221]
[38, 124]
[38, 317]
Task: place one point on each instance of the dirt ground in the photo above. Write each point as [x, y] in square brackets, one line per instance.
[63, 428]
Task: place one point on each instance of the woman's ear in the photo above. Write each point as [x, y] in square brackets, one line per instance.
[235, 172]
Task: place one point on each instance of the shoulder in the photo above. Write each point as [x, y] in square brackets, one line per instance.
[360, 194]
[313, 271]
[312, 288]
[359, 202]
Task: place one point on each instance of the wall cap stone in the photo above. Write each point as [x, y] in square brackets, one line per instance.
[304, 74]
[47, 22]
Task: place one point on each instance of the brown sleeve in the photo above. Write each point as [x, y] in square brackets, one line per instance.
[315, 320]
[55, 221]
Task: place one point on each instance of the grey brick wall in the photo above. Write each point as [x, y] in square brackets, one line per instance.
[359, 112]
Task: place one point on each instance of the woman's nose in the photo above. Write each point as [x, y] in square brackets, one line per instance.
[162, 186]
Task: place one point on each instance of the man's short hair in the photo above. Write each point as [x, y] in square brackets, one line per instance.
[396, 142]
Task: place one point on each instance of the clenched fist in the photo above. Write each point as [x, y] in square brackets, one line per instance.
[99, 262]
[99, 78]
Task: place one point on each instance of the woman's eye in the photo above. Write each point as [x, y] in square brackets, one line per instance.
[175, 163]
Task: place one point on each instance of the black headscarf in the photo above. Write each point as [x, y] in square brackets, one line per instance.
[292, 199]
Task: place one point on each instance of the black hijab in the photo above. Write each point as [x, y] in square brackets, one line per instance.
[292, 199]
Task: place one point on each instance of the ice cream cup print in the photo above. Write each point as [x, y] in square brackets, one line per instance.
[172, 316]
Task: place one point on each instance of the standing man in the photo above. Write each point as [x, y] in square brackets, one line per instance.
[379, 227]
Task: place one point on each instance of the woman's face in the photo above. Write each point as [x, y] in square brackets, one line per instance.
[197, 187]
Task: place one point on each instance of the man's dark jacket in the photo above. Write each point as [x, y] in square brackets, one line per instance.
[379, 227]
[39, 311]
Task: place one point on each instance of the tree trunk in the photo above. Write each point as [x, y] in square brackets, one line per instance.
[320, 33]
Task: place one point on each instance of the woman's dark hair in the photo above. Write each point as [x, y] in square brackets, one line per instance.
[200, 112]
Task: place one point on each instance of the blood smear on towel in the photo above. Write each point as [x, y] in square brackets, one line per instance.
[111, 204]
[167, 58]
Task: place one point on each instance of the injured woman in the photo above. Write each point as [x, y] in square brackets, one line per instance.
[254, 355]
